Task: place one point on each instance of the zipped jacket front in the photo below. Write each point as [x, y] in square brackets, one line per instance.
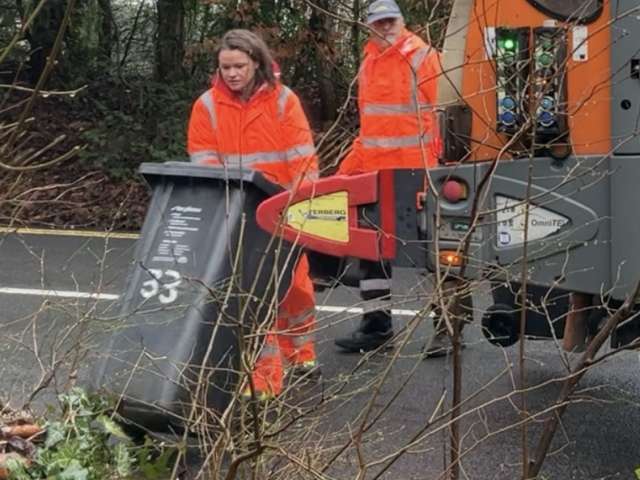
[396, 97]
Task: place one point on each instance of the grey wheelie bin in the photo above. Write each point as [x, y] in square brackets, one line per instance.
[204, 272]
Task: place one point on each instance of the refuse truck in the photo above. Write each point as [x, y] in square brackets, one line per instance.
[538, 114]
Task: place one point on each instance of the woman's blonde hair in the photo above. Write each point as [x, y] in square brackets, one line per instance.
[251, 44]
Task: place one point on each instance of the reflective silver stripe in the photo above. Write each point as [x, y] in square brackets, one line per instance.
[375, 284]
[239, 159]
[236, 159]
[416, 61]
[296, 320]
[299, 340]
[207, 100]
[395, 142]
[269, 350]
[418, 58]
[299, 151]
[282, 100]
[198, 157]
[403, 108]
[398, 109]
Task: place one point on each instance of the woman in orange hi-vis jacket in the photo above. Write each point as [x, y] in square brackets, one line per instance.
[249, 119]
[397, 90]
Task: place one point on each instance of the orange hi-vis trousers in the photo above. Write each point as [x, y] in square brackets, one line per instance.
[292, 338]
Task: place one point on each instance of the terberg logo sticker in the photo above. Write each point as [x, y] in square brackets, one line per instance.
[324, 216]
[319, 214]
[510, 218]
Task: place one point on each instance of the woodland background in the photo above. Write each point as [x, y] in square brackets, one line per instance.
[95, 87]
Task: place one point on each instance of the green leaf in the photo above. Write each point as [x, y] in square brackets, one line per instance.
[154, 467]
[123, 460]
[17, 469]
[82, 447]
[74, 471]
[112, 428]
[55, 434]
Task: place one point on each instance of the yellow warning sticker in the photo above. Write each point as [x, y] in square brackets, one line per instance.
[324, 216]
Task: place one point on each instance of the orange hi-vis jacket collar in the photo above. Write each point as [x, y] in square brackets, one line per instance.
[269, 132]
[396, 94]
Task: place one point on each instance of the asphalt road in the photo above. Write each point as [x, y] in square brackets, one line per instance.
[44, 307]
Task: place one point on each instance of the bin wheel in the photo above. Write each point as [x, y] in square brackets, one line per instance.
[499, 325]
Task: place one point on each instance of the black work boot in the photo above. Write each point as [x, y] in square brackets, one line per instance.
[375, 330]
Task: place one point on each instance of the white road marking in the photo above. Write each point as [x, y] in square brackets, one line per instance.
[111, 296]
[332, 309]
[57, 293]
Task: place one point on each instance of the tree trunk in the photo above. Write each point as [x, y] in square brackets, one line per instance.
[355, 34]
[170, 40]
[324, 54]
[42, 35]
[106, 38]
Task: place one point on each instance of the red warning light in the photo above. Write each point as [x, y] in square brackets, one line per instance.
[453, 191]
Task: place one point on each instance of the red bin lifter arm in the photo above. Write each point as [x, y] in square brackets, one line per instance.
[375, 189]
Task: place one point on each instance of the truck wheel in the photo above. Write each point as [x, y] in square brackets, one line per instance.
[499, 325]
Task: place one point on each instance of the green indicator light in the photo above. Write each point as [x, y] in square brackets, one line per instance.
[545, 59]
[509, 44]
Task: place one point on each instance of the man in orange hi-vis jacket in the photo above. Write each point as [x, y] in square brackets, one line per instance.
[396, 94]
[249, 119]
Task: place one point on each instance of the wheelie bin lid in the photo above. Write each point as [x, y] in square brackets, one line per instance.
[151, 171]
